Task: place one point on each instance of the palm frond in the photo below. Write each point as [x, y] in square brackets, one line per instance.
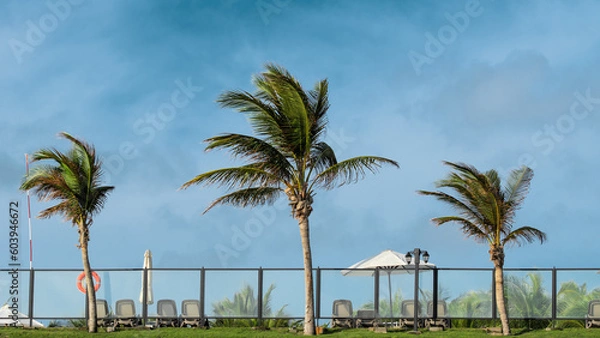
[319, 107]
[351, 171]
[238, 177]
[248, 197]
[524, 234]
[469, 228]
[322, 157]
[296, 129]
[467, 211]
[518, 185]
[264, 118]
[254, 149]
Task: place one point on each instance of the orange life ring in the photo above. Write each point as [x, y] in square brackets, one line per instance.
[82, 276]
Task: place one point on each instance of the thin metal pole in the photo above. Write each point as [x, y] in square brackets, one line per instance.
[554, 295]
[376, 292]
[260, 296]
[145, 297]
[416, 306]
[318, 295]
[202, 291]
[435, 293]
[31, 281]
[390, 291]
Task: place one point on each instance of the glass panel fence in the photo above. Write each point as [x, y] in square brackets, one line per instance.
[467, 292]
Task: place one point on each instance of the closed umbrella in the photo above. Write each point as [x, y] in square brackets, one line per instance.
[391, 262]
[147, 268]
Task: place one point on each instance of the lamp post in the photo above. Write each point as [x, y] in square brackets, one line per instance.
[417, 252]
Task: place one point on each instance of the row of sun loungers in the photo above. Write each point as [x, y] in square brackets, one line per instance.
[343, 315]
[125, 313]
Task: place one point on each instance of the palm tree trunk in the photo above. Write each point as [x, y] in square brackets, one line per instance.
[499, 277]
[90, 291]
[309, 314]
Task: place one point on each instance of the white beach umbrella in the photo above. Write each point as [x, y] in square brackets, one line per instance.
[391, 262]
[148, 267]
[6, 318]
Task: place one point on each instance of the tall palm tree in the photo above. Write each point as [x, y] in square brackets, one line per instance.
[75, 181]
[486, 213]
[286, 155]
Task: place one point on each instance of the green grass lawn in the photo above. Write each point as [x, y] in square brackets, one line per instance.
[248, 332]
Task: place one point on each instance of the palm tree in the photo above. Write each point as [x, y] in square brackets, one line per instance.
[73, 180]
[486, 213]
[287, 155]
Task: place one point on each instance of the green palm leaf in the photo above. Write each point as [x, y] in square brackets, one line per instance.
[248, 197]
[350, 171]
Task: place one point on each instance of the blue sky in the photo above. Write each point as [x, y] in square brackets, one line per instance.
[494, 84]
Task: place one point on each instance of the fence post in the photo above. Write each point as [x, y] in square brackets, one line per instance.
[376, 292]
[435, 293]
[318, 296]
[145, 296]
[260, 296]
[31, 281]
[554, 295]
[202, 291]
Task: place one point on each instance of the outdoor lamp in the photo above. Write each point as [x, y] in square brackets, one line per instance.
[408, 257]
[426, 256]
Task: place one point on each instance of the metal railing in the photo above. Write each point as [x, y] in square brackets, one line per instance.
[43, 289]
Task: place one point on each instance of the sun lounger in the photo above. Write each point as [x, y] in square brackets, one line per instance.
[102, 313]
[166, 310]
[190, 313]
[593, 317]
[408, 314]
[125, 313]
[342, 313]
[366, 318]
[442, 315]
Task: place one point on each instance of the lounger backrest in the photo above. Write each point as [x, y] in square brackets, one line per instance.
[408, 308]
[441, 308]
[342, 308]
[190, 308]
[166, 308]
[594, 309]
[365, 314]
[125, 308]
[101, 308]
